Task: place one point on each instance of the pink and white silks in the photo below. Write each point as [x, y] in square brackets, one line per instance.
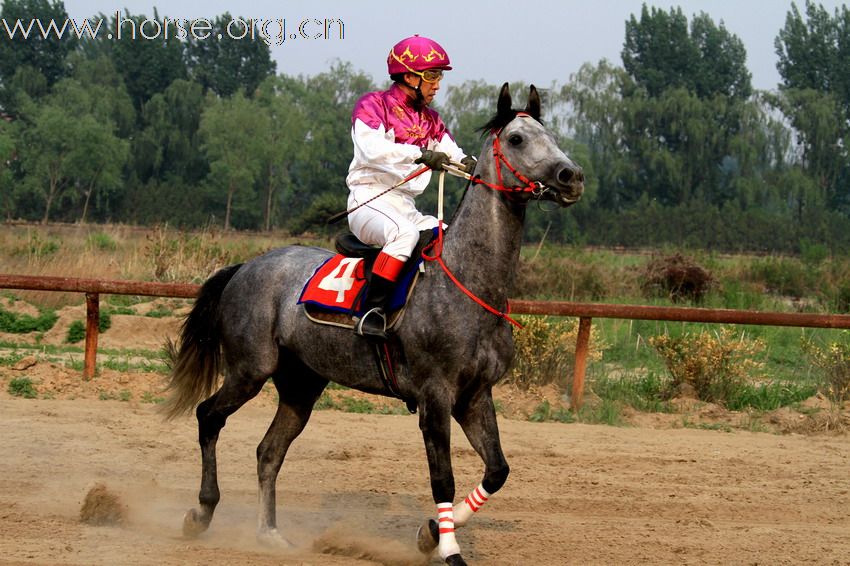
[389, 135]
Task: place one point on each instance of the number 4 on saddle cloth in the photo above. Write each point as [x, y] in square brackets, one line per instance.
[335, 292]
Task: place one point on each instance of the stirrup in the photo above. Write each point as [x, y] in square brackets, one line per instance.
[375, 332]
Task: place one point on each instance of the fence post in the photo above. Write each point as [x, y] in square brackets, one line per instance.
[92, 329]
[582, 341]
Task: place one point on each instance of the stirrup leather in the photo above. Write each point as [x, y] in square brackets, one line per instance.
[377, 311]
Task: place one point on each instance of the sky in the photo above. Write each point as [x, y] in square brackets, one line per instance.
[531, 41]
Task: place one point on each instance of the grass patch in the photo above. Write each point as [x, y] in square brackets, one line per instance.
[148, 397]
[77, 329]
[22, 387]
[159, 312]
[17, 323]
[11, 359]
[642, 392]
[770, 396]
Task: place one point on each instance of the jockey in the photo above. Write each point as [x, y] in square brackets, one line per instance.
[395, 133]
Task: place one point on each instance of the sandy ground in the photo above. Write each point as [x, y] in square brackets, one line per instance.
[354, 488]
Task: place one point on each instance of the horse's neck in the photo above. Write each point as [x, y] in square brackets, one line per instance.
[483, 242]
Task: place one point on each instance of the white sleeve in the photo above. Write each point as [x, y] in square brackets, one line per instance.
[376, 148]
[448, 145]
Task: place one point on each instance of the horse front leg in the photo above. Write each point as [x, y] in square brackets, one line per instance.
[435, 423]
[478, 421]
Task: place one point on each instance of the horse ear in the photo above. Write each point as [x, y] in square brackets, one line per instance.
[503, 107]
[533, 106]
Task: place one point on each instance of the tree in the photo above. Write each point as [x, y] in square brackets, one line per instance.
[231, 132]
[7, 155]
[46, 153]
[660, 53]
[228, 65]
[322, 165]
[34, 46]
[814, 63]
[168, 146]
[147, 66]
[281, 139]
[597, 121]
[97, 159]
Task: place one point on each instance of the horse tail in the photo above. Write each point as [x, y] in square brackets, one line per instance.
[195, 366]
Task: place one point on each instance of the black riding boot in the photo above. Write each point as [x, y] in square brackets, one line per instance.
[373, 323]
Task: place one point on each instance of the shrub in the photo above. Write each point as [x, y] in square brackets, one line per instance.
[716, 366]
[36, 248]
[77, 330]
[834, 363]
[17, 323]
[783, 276]
[677, 278]
[545, 351]
[101, 241]
[22, 387]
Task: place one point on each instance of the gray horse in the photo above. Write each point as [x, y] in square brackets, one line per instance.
[450, 351]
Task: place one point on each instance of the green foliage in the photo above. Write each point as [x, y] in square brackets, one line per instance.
[101, 241]
[77, 328]
[37, 247]
[644, 391]
[148, 397]
[544, 412]
[76, 332]
[34, 54]
[660, 54]
[159, 312]
[715, 367]
[833, 362]
[22, 387]
[544, 351]
[769, 396]
[18, 323]
[229, 65]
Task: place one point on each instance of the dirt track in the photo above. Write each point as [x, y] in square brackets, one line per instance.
[357, 485]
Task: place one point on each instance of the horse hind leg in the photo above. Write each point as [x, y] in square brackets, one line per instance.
[298, 392]
[212, 415]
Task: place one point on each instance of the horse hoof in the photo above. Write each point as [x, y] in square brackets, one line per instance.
[455, 560]
[272, 538]
[427, 536]
[192, 525]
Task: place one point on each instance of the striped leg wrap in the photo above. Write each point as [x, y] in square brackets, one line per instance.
[445, 518]
[473, 502]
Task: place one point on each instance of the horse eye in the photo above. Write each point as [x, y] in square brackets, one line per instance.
[515, 139]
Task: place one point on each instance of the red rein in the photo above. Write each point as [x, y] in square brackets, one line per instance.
[437, 245]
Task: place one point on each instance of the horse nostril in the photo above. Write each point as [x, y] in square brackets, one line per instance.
[569, 175]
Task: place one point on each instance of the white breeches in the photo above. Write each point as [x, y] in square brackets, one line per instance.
[391, 221]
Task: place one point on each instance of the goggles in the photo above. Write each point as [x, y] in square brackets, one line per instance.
[429, 75]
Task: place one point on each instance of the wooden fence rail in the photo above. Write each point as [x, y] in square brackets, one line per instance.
[93, 288]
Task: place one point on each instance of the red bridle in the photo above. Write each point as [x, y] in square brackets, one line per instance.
[536, 188]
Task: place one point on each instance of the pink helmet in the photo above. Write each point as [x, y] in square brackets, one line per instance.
[417, 54]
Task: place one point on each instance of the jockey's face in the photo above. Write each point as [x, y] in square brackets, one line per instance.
[429, 88]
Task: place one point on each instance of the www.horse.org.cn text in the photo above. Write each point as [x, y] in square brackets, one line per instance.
[272, 31]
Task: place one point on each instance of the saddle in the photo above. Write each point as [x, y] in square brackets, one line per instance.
[335, 292]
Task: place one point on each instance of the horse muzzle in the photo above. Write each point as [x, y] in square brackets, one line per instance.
[567, 184]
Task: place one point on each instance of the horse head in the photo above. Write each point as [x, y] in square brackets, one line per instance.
[526, 160]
